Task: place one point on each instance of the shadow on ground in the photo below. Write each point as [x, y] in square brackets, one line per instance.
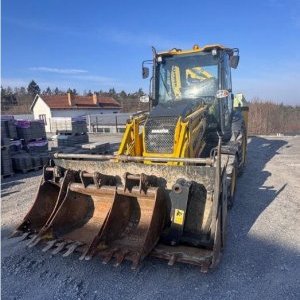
[17, 179]
[252, 195]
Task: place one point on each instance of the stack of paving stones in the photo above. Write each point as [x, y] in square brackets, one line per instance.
[6, 162]
[69, 131]
[31, 130]
[24, 146]
[34, 154]
[8, 128]
[8, 134]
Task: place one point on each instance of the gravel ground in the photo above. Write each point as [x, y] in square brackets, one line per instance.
[261, 260]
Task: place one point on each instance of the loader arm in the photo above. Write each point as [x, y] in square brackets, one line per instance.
[187, 141]
[131, 143]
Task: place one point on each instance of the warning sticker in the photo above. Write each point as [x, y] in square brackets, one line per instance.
[178, 216]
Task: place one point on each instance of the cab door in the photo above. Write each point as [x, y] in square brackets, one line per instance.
[227, 103]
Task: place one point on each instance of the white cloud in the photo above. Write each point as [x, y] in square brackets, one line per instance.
[110, 34]
[58, 70]
[43, 27]
[14, 82]
[136, 39]
[80, 82]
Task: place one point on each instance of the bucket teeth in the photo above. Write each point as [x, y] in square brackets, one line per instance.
[32, 240]
[86, 255]
[82, 257]
[50, 244]
[60, 247]
[172, 260]
[120, 257]
[135, 264]
[109, 256]
[35, 242]
[24, 236]
[16, 233]
[20, 236]
[72, 247]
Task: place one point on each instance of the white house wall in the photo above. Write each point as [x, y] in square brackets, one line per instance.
[41, 108]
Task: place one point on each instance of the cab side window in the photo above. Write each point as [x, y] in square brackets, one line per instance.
[226, 81]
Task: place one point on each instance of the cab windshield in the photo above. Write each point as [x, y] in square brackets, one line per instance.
[183, 77]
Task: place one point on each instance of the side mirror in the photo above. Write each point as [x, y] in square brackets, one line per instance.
[234, 61]
[144, 99]
[145, 72]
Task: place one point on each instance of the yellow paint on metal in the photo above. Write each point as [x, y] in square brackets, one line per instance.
[187, 138]
[176, 81]
[191, 51]
[198, 73]
[132, 140]
[179, 216]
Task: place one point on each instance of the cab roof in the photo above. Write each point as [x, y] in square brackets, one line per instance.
[196, 48]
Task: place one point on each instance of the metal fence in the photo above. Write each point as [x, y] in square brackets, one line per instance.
[28, 117]
[107, 123]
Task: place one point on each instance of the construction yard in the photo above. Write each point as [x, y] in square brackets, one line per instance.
[261, 259]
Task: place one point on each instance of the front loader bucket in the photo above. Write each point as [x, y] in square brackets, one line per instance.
[106, 221]
[48, 198]
[79, 219]
[133, 226]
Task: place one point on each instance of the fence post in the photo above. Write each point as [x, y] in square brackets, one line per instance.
[116, 124]
[89, 123]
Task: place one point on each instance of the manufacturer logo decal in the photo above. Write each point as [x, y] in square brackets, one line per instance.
[163, 130]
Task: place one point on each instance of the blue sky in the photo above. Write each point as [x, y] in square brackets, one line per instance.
[100, 44]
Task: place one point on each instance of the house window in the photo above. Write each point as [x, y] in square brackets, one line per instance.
[43, 117]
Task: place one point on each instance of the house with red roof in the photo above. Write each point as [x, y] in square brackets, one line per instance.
[45, 107]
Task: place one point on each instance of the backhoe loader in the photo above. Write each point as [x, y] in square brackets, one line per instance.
[166, 192]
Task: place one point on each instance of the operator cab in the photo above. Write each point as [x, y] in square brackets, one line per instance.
[197, 76]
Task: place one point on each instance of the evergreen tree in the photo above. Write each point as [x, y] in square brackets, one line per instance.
[112, 92]
[22, 91]
[140, 92]
[8, 91]
[48, 91]
[33, 89]
[123, 94]
[3, 91]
